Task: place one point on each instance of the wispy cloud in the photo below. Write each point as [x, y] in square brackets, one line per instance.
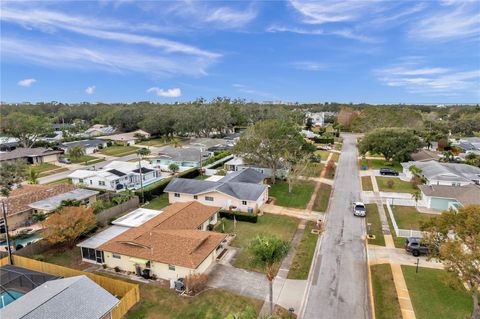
[345, 33]
[231, 17]
[417, 78]
[309, 66]
[90, 90]
[26, 82]
[174, 92]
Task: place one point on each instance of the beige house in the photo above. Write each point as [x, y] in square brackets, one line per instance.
[126, 139]
[171, 245]
[241, 191]
[35, 155]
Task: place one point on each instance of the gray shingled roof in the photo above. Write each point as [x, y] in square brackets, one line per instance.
[454, 172]
[467, 195]
[243, 191]
[73, 298]
[190, 186]
[84, 143]
[52, 203]
[248, 175]
[188, 154]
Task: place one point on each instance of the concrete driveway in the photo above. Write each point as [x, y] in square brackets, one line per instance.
[380, 255]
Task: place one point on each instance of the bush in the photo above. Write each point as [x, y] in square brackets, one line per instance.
[216, 157]
[239, 216]
[195, 283]
[39, 257]
[390, 183]
[324, 140]
[117, 269]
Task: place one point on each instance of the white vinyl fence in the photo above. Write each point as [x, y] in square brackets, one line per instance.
[405, 233]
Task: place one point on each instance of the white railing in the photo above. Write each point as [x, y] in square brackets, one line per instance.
[405, 233]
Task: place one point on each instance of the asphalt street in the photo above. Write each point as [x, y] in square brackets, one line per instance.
[338, 287]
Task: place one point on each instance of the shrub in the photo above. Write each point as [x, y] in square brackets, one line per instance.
[104, 266]
[39, 257]
[324, 140]
[239, 216]
[117, 269]
[210, 227]
[390, 183]
[195, 283]
[415, 181]
[216, 157]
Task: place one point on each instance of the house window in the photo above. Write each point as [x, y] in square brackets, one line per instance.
[195, 197]
[116, 256]
[244, 202]
[171, 267]
[211, 218]
[209, 198]
[80, 180]
[91, 182]
[176, 194]
[101, 183]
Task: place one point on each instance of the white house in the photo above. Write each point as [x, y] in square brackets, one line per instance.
[99, 129]
[184, 157]
[89, 146]
[452, 174]
[118, 176]
[443, 197]
[126, 139]
[237, 164]
[318, 118]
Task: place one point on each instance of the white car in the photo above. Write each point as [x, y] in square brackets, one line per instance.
[359, 209]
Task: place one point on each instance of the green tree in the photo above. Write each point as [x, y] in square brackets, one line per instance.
[267, 252]
[393, 143]
[454, 239]
[173, 167]
[267, 142]
[448, 157]
[32, 175]
[76, 151]
[26, 127]
[416, 196]
[12, 173]
[142, 152]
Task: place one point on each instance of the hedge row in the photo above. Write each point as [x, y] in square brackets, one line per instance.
[156, 189]
[216, 157]
[324, 140]
[239, 216]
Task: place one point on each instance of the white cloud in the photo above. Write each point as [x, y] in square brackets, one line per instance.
[416, 78]
[90, 89]
[345, 33]
[174, 92]
[309, 66]
[229, 16]
[26, 82]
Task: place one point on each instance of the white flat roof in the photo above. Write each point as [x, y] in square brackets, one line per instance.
[102, 237]
[214, 178]
[136, 218]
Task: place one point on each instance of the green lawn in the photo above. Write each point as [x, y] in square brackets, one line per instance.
[202, 177]
[85, 158]
[437, 294]
[298, 198]
[367, 183]
[45, 169]
[280, 226]
[335, 157]
[161, 303]
[304, 254]
[155, 142]
[338, 146]
[407, 217]
[398, 241]
[373, 218]
[62, 256]
[323, 196]
[65, 180]
[384, 293]
[379, 163]
[399, 186]
[158, 202]
[118, 150]
[323, 154]
[314, 169]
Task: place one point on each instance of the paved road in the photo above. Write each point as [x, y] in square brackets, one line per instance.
[339, 284]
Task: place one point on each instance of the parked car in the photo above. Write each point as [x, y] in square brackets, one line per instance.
[388, 171]
[324, 148]
[414, 245]
[359, 209]
[64, 160]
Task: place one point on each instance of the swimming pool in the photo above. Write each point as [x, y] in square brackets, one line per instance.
[24, 241]
[6, 298]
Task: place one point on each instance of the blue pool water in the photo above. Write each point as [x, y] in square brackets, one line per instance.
[24, 241]
[5, 298]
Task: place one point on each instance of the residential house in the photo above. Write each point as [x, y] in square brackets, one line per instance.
[452, 174]
[211, 144]
[318, 118]
[99, 129]
[444, 197]
[55, 136]
[89, 146]
[35, 155]
[185, 157]
[171, 245]
[126, 139]
[424, 155]
[8, 144]
[76, 297]
[50, 204]
[118, 176]
[19, 213]
[470, 144]
[242, 191]
[238, 164]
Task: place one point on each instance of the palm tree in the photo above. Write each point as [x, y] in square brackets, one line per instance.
[176, 142]
[141, 153]
[417, 195]
[415, 170]
[32, 175]
[267, 252]
[76, 152]
[448, 156]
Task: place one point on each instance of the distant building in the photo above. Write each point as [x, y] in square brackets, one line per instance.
[36, 155]
[89, 146]
[100, 129]
[318, 119]
[126, 139]
[8, 144]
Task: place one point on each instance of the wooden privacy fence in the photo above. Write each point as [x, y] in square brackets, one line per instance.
[129, 294]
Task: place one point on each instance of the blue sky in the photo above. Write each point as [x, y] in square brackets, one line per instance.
[344, 51]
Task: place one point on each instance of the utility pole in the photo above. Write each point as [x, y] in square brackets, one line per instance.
[9, 249]
[141, 177]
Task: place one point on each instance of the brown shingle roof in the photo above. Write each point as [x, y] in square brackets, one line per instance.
[20, 198]
[467, 195]
[171, 237]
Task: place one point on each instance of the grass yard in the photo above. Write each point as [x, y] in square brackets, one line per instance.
[154, 142]
[161, 303]
[437, 294]
[379, 163]
[202, 177]
[280, 226]
[314, 169]
[367, 184]
[118, 150]
[373, 218]
[323, 154]
[323, 196]
[298, 198]
[158, 202]
[67, 257]
[398, 186]
[338, 146]
[45, 169]
[65, 180]
[407, 217]
[85, 158]
[398, 241]
[384, 293]
[304, 254]
[335, 157]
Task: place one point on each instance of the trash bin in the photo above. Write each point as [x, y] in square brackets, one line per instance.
[364, 168]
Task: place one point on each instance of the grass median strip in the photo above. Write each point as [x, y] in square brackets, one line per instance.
[398, 241]
[437, 294]
[384, 293]
[304, 254]
[323, 196]
[373, 218]
[367, 185]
